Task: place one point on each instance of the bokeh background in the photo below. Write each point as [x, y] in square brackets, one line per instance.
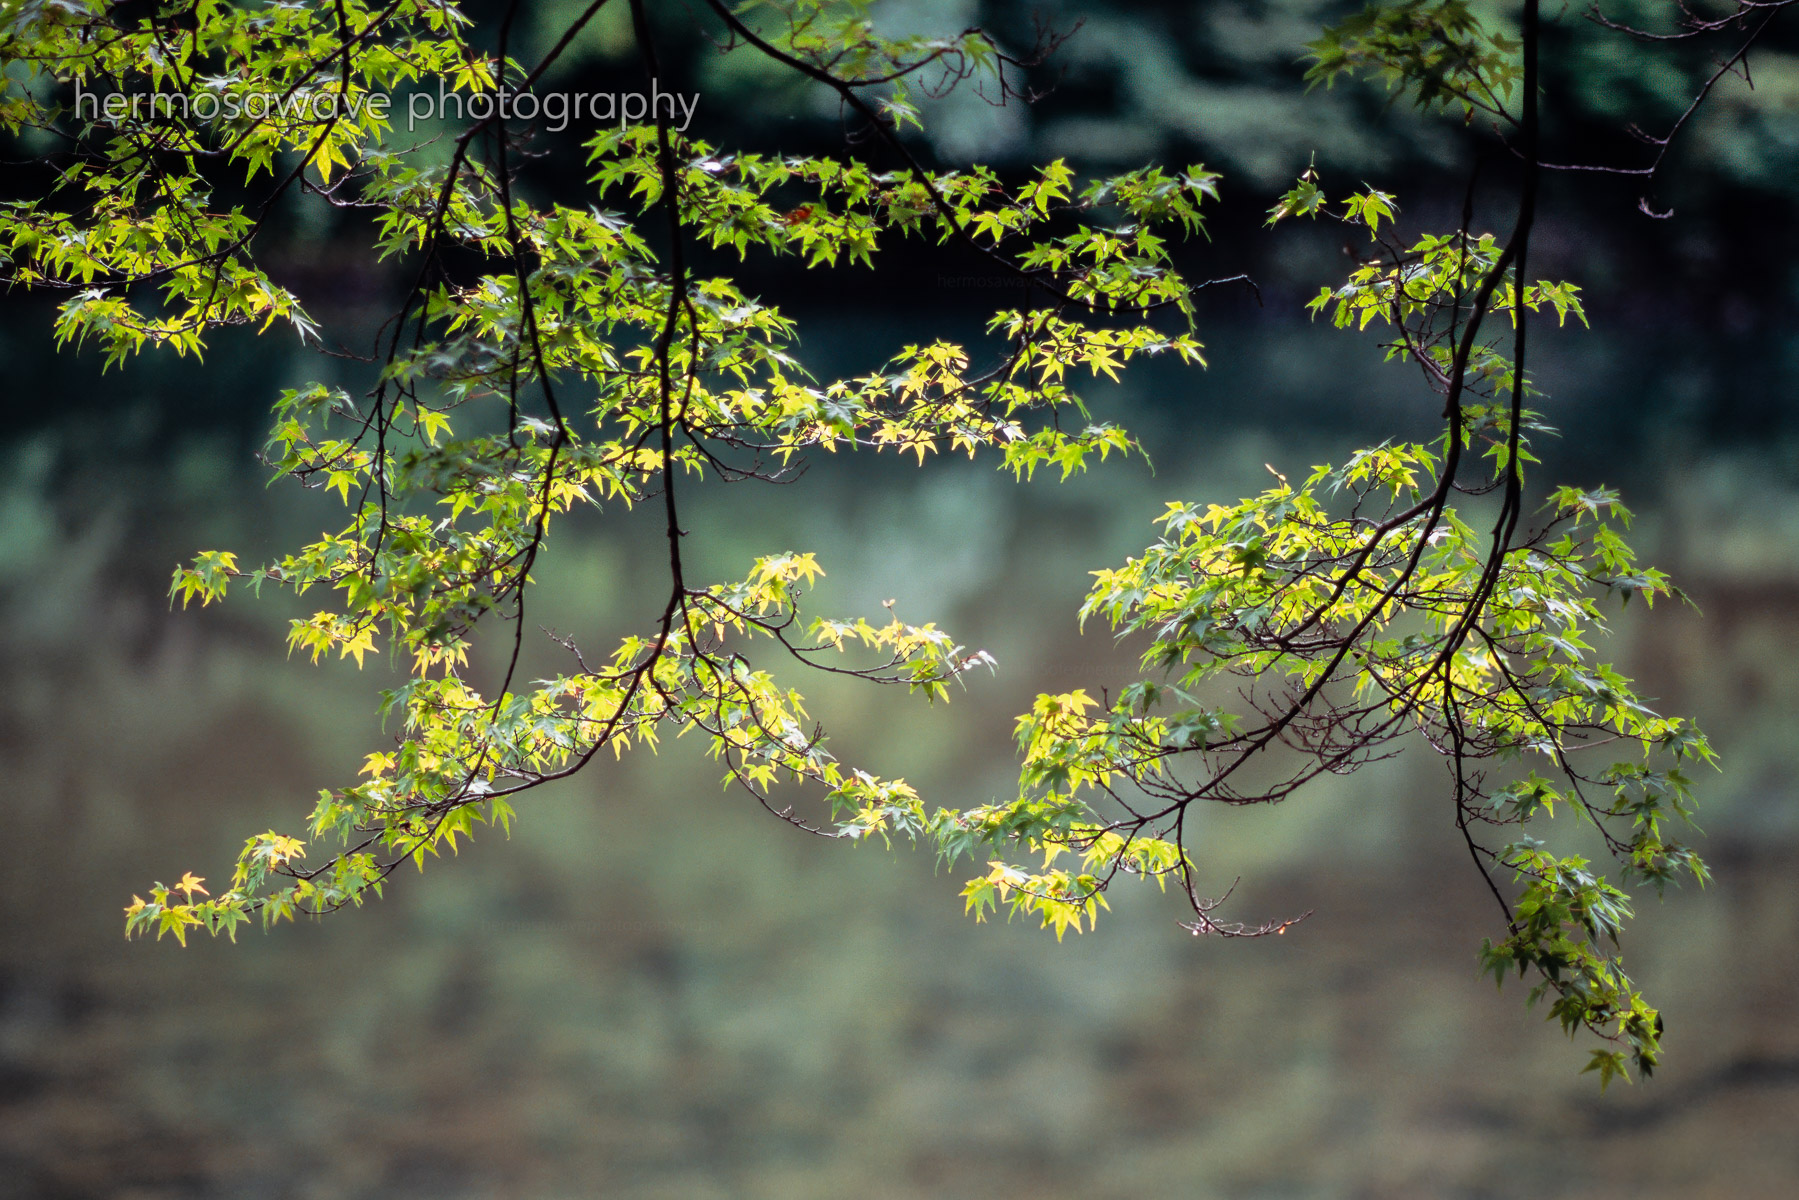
[623, 1000]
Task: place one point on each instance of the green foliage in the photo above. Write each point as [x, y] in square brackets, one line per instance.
[553, 355]
[1437, 49]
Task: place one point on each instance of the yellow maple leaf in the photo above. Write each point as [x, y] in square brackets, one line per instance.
[277, 848]
[359, 645]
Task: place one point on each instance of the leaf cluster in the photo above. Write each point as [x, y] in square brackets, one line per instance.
[555, 354]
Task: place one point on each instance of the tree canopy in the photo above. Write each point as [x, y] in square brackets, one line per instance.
[593, 350]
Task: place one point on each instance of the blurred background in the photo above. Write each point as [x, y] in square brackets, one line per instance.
[617, 1001]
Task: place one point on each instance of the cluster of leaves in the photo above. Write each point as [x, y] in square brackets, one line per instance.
[454, 467]
[158, 109]
[552, 355]
[1439, 50]
[1314, 628]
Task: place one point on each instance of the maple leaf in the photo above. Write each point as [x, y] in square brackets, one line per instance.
[176, 920]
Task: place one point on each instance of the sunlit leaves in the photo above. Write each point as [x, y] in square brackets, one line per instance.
[131, 229]
[1350, 611]
[554, 356]
[206, 579]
